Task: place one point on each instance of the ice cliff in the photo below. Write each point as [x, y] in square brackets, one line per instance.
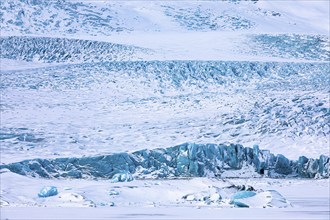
[185, 160]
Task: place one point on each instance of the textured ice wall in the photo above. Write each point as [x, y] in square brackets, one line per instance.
[185, 160]
[59, 50]
[173, 73]
[309, 47]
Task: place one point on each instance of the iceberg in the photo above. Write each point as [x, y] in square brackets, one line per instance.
[235, 199]
[240, 204]
[48, 191]
[243, 194]
[205, 197]
[122, 177]
[266, 199]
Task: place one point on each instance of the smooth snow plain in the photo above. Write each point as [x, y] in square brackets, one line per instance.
[59, 99]
[156, 199]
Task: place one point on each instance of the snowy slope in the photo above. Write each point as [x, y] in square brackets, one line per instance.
[211, 30]
[108, 17]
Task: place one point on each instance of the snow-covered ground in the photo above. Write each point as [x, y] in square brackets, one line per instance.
[87, 78]
[164, 199]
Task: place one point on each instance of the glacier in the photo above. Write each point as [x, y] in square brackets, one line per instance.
[270, 101]
[49, 50]
[185, 160]
[52, 49]
[97, 97]
[309, 47]
[172, 74]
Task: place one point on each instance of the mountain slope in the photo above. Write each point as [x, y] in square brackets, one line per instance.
[106, 18]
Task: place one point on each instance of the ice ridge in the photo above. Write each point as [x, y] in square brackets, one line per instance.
[185, 160]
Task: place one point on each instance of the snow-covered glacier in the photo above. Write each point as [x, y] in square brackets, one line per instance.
[127, 104]
[85, 17]
[60, 50]
[273, 104]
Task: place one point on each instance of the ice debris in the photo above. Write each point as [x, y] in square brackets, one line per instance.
[122, 177]
[185, 160]
[237, 196]
[113, 193]
[48, 191]
[3, 202]
[204, 197]
[266, 199]
[106, 204]
[243, 194]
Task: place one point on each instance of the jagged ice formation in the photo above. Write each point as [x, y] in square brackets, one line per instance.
[185, 160]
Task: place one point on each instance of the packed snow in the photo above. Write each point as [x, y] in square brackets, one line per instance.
[197, 198]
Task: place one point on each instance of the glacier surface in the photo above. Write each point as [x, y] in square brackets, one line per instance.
[116, 106]
[64, 50]
[86, 84]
